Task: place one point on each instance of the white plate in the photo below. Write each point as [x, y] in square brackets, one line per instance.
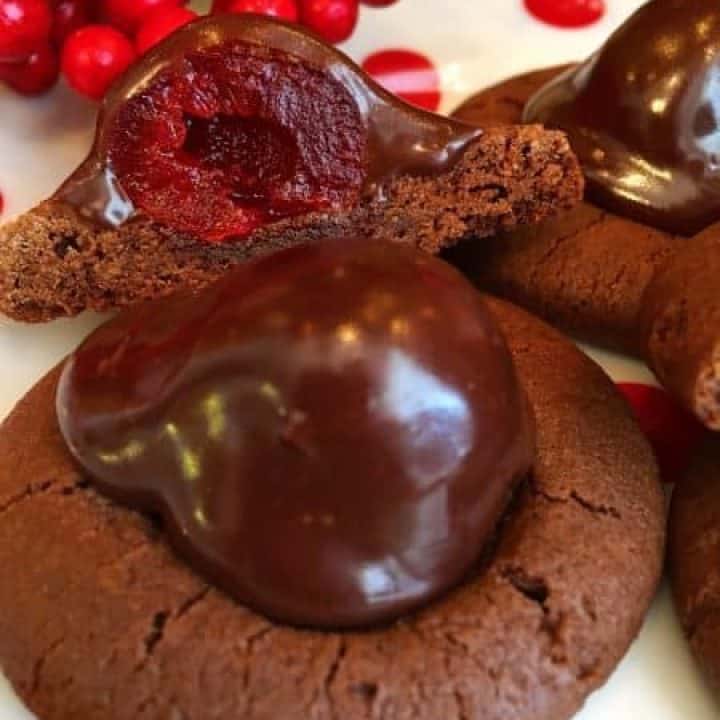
[473, 44]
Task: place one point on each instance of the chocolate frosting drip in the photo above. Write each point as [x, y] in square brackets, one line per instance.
[401, 139]
[642, 116]
[331, 433]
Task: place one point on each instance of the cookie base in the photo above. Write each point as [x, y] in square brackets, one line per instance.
[99, 620]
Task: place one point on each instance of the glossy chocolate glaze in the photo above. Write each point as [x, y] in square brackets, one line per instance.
[401, 139]
[643, 116]
[331, 433]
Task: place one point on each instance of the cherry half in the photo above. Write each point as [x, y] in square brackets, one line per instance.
[236, 136]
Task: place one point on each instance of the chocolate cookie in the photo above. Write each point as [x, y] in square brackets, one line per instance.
[694, 548]
[99, 620]
[608, 279]
[585, 271]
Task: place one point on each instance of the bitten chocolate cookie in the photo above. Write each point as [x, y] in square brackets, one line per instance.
[694, 549]
[99, 620]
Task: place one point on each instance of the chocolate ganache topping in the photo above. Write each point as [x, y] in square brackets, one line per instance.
[330, 434]
[642, 116]
[258, 119]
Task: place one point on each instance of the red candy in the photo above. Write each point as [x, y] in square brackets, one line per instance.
[24, 26]
[127, 15]
[93, 57]
[332, 20]
[237, 137]
[31, 31]
[36, 75]
[69, 16]
[408, 74]
[672, 431]
[282, 9]
[567, 13]
[161, 23]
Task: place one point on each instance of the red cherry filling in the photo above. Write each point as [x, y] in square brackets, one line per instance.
[238, 136]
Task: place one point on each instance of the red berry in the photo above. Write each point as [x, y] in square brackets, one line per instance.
[567, 13]
[24, 26]
[93, 57]
[69, 16]
[333, 20]
[128, 15]
[408, 74]
[283, 9]
[673, 432]
[35, 75]
[161, 23]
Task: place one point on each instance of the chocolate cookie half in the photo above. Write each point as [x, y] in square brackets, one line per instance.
[694, 548]
[239, 136]
[99, 620]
